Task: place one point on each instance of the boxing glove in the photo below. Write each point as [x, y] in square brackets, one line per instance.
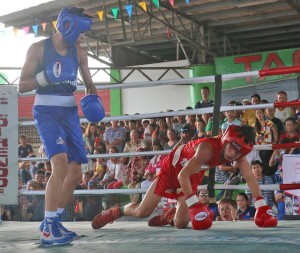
[63, 69]
[92, 108]
[200, 215]
[264, 215]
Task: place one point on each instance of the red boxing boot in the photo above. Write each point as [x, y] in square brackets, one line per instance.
[106, 216]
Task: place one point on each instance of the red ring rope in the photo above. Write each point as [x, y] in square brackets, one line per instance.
[284, 187]
[279, 71]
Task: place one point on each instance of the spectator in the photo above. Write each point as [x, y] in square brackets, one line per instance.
[238, 114]
[148, 136]
[99, 169]
[137, 170]
[169, 119]
[92, 139]
[230, 120]
[42, 151]
[160, 133]
[92, 205]
[283, 113]
[33, 168]
[172, 139]
[266, 133]
[200, 128]
[186, 135]
[228, 210]
[209, 125]
[191, 120]
[177, 126]
[134, 143]
[204, 199]
[249, 115]
[132, 125]
[257, 170]
[145, 124]
[269, 112]
[25, 209]
[25, 149]
[24, 172]
[205, 101]
[280, 198]
[109, 176]
[276, 160]
[207, 117]
[291, 134]
[115, 136]
[149, 175]
[86, 177]
[38, 183]
[120, 174]
[245, 212]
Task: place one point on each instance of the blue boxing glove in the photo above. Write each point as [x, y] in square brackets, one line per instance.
[63, 69]
[92, 108]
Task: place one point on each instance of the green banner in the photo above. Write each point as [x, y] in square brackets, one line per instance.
[251, 62]
[2, 78]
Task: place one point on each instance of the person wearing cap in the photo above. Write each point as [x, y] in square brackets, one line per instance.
[51, 68]
[182, 171]
[186, 135]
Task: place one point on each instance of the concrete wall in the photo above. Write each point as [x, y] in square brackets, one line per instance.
[155, 99]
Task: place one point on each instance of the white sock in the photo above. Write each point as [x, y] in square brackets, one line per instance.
[50, 214]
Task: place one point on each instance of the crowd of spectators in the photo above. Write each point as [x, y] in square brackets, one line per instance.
[271, 125]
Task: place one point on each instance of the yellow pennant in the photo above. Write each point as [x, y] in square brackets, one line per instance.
[54, 25]
[100, 14]
[143, 5]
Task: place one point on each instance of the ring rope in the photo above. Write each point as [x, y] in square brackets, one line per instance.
[185, 112]
[165, 152]
[270, 187]
[190, 80]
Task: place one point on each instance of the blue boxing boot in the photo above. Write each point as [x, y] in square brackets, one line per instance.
[51, 235]
[60, 227]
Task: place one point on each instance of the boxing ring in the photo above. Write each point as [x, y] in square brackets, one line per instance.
[133, 235]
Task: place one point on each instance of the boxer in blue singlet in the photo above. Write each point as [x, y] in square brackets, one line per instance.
[50, 69]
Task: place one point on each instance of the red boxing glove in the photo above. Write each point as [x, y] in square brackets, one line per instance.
[264, 216]
[200, 215]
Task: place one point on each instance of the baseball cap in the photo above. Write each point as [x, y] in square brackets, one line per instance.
[186, 128]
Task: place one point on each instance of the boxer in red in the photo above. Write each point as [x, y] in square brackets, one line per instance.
[181, 173]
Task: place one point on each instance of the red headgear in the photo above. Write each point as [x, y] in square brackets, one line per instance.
[234, 137]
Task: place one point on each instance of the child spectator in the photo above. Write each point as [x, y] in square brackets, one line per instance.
[245, 212]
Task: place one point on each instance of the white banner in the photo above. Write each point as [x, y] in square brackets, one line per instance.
[291, 175]
[8, 145]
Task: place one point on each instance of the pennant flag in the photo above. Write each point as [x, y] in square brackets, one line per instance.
[35, 29]
[187, 1]
[143, 6]
[172, 3]
[156, 3]
[26, 29]
[100, 14]
[129, 9]
[44, 26]
[54, 25]
[115, 12]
